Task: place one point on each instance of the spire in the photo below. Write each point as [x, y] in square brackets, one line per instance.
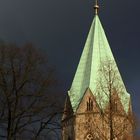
[88, 74]
[96, 7]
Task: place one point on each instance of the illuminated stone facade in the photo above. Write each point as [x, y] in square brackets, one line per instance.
[90, 123]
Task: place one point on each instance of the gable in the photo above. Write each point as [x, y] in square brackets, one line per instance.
[116, 105]
[68, 112]
[88, 103]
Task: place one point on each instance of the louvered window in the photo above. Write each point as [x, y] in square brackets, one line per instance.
[89, 105]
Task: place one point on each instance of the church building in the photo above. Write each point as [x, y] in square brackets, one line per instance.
[97, 106]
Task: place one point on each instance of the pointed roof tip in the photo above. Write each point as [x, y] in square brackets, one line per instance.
[96, 7]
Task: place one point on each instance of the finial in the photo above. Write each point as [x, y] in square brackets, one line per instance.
[96, 7]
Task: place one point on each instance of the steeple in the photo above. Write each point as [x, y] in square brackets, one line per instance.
[98, 105]
[96, 56]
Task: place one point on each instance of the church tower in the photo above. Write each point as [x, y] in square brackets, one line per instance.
[98, 106]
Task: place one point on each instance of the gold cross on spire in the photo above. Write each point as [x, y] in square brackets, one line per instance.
[96, 7]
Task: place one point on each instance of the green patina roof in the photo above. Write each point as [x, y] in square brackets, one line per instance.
[92, 67]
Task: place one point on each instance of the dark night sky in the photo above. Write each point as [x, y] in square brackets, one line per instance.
[60, 28]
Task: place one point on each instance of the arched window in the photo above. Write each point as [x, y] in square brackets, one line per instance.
[89, 104]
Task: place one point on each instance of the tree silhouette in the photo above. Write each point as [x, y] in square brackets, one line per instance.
[117, 123]
[27, 89]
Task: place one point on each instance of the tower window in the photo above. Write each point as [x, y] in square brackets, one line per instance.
[89, 105]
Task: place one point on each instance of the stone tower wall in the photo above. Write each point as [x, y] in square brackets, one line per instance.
[90, 123]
